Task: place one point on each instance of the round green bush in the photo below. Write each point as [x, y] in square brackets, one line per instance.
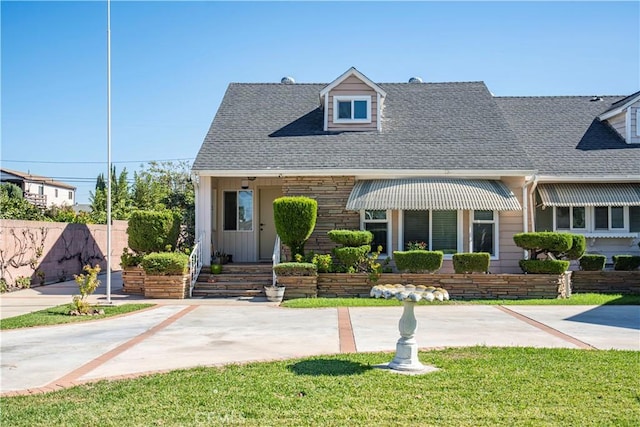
[418, 261]
[351, 238]
[592, 262]
[351, 257]
[165, 263]
[295, 219]
[546, 266]
[153, 231]
[476, 262]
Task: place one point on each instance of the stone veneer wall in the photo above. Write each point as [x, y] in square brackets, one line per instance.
[611, 282]
[461, 286]
[331, 193]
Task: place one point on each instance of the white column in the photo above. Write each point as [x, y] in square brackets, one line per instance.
[203, 215]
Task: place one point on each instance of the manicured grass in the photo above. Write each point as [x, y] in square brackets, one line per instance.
[576, 299]
[59, 314]
[475, 386]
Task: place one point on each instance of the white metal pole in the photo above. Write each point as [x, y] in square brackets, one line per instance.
[108, 151]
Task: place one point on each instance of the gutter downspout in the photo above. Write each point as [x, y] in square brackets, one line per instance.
[525, 207]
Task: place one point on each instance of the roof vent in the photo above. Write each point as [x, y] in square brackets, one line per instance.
[595, 99]
[287, 80]
[415, 80]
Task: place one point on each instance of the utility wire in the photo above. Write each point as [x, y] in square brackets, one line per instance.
[93, 163]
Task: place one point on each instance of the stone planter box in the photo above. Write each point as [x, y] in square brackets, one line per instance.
[133, 280]
[460, 286]
[299, 286]
[607, 282]
[172, 287]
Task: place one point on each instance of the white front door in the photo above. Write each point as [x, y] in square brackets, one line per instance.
[267, 230]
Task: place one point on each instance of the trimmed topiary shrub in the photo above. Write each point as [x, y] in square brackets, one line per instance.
[165, 263]
[351, 238]
[418, 261]
[626, 262]
[153, 231]
[546, 266]
[476, 262]
[295, 269]
[544, 242]
[578, 246]
[592, 262]
[295, 219]
[352, 257]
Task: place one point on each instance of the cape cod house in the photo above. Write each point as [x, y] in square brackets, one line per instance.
[448, 164]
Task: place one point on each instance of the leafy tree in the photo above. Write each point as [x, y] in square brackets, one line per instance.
[14, 206]
[121, 206]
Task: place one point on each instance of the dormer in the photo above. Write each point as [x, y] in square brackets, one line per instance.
[352, 102]
[624, 117]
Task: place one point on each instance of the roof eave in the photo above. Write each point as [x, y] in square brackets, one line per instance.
[389, 173]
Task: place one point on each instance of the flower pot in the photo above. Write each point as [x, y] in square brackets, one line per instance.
[274, 293]
[216, 268]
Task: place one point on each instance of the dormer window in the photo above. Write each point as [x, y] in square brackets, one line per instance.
[352, 109]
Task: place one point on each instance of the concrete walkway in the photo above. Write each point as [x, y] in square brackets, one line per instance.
[205, 332]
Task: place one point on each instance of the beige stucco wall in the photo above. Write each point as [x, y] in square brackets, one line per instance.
[66, 247]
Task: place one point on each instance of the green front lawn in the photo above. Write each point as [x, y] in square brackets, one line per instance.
[59, 315]
[476, 386]
[576, 299]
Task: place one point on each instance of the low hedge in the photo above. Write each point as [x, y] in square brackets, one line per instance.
[626, 262]
[165, 263]
[592, 262]
[295, 269]
[418, 261]
[351, 257]
[476, 262]
[351, 238]
[545, 266]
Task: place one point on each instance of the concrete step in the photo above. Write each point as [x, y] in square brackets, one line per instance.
[223, 293]
[232, 285]
[224, 278]
[264, 268]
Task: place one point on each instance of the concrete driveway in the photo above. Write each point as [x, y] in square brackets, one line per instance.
[200, 332]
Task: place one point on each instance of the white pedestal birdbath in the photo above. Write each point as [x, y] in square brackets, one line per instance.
[406, 358]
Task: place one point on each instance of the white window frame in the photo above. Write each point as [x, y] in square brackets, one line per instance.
[590, 220]
[70, 195]
[587, 218]
[459, 232]
[364, 220]
[496, 231]
[343, 98]
[238, 211]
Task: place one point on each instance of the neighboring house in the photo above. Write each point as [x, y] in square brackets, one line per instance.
[40, 190]
[448, 164]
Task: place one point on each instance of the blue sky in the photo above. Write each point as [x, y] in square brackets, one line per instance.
[172, 62]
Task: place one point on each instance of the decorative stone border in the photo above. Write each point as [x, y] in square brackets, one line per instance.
[612, 282]
[299, 286]
[172, 287]
[461, 286]
[133, 280]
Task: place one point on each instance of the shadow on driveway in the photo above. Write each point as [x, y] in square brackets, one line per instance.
[611, 315]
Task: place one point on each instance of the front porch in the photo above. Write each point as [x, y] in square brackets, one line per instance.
[237, 280]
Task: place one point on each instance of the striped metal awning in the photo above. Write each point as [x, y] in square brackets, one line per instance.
[432, 193]
[589, 194]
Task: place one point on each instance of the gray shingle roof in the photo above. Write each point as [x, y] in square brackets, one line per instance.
[562, 135]
[431, 126]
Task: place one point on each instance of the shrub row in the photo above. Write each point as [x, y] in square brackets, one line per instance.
[546, 266]
[165, 263]
[592, 262]
[626, 262]
[418, 261]
[476, 262]
[295, 269]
